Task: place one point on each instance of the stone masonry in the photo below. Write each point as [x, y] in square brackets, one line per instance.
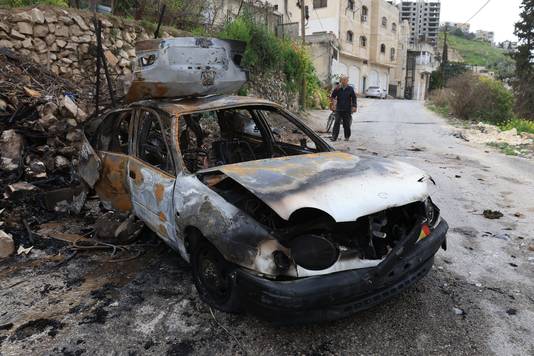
[65, 40]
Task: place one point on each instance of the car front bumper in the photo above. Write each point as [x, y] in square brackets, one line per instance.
[340, 294]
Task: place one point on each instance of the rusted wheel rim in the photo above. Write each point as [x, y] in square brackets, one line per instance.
[212, 273]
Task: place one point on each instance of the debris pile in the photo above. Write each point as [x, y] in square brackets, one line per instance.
[485, 133]
[40, 135]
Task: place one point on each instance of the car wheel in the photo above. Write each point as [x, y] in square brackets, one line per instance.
[213, 277]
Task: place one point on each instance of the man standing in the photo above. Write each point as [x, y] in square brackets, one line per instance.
[346, 104]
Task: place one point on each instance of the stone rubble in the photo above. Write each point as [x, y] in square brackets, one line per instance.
[7, 246]
[485, 133]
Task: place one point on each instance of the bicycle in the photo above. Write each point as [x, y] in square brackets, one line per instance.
[330, 121]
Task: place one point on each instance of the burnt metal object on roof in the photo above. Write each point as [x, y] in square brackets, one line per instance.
[186, 67]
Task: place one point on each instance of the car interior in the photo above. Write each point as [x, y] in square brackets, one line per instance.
[213, 138]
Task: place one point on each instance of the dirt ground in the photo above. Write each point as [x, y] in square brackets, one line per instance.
[478, 299]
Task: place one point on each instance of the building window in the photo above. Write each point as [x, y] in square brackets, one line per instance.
[334, 54]
[392, 54]
[384, 22]
[317, 4]
[382, 48]
[365, 12]
[350, 35]
[363, 41]
[350, 5]
[394, 27]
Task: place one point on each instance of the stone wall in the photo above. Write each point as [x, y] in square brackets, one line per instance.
[271, 86]
[64, 41]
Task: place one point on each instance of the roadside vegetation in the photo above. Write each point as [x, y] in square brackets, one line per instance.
[507, 102]
[265, 52]
[521, 125]
[470, 97]
[481, 53]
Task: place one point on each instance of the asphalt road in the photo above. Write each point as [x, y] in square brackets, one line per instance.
[478, 299]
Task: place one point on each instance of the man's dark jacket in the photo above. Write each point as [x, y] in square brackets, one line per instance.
[346, 98]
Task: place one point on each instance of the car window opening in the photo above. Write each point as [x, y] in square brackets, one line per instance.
[116, 129]
[152, 147]
[227, 136]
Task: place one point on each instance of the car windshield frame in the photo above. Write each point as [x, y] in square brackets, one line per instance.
[320, 144]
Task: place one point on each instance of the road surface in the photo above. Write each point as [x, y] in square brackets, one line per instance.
[478, 299]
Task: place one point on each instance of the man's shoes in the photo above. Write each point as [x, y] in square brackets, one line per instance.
[346, 138]
[333, 139]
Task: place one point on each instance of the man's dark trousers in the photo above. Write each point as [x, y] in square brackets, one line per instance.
[344, 117]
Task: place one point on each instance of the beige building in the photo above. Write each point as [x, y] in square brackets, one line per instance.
[488, 36]
[399, 72]
[464, 27]
[420, 64]
[362, 39]
[219, 12]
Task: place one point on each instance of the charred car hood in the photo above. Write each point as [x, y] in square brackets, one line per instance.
[343, 185]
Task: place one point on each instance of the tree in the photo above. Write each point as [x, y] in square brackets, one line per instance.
[524, 60]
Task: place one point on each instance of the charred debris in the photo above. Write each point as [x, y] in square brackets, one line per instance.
[41, 115]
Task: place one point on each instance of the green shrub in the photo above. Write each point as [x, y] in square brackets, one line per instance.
[471, 97]
[462, 98]
[440, 97]
[265, 52]
[521, 125]
[494, 103]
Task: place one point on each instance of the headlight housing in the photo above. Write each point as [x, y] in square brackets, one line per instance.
[313, 252]
[432, 213]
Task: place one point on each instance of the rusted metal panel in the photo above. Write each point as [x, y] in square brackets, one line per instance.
[89, 166]
[177, 107]
[216, 102]
[186, 66]
[239, 238]
[343, 185]
[111, 187]
[152, 196]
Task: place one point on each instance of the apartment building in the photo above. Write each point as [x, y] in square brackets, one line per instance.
[508, 45]
[421, 62]
[361, 39]
[423, 16]
[488, 36]
[219, 12]
[464, 27]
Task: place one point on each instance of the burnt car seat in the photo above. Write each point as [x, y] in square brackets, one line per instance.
[232, 151]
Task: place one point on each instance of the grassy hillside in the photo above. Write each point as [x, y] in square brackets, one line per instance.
[478, 52]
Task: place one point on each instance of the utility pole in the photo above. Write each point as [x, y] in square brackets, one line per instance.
[444, 56]
[303, 35]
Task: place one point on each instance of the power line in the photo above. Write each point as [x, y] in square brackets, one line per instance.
[476, 13]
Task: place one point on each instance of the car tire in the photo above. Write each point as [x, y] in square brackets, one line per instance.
[213, 277]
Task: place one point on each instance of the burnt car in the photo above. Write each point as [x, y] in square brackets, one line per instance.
[272, 219]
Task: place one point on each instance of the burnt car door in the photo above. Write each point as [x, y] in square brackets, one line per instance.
[105, 170]
[152, 174]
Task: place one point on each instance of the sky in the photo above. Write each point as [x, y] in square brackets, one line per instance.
[498, 16]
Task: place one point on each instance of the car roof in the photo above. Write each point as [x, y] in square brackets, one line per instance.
[180, 106]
